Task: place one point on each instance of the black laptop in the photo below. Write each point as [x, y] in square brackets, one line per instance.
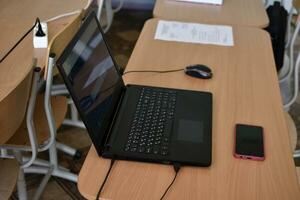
[133, 122]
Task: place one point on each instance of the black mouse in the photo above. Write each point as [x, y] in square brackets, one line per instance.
[199, 71]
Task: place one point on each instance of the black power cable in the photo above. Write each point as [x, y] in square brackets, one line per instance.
[39, 33]
[176, 166]
[153, 71]
[105, 179]
[176, 169]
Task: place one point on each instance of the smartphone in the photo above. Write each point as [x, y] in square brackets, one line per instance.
[249, 142]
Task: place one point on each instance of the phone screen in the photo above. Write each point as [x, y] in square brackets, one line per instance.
[249, 141]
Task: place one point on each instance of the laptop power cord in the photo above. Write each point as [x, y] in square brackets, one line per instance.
[177, 167]
[105, 179]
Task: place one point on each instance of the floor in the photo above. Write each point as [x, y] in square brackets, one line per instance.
[121, 38]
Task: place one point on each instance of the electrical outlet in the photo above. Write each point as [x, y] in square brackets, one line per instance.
[40, 41]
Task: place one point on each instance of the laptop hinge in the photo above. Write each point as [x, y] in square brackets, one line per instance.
[106, 144]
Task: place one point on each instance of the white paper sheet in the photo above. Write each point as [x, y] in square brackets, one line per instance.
[194, 33]
[217, 2]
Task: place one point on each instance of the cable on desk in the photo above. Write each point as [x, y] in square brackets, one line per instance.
[152, 71]
[105, 179]
[177, 167]
[48, 20]
[37, 21]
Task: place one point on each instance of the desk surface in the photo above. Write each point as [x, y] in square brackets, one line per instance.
[16, 17]
[232, 12]
[245, 90]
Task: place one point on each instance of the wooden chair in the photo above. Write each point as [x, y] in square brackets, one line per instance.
[12, 112]
[34, 134]
[44, 115]
[14, 107]
[26, 98]
[51, 108]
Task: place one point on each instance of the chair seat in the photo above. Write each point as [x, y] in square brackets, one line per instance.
[9, 175]
[59, 108]
[292, 130]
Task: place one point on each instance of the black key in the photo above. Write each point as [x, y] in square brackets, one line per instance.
[126, 148]
[157, 142]
[164, 148]
[168, 128]
[134, 141]
[164, 153]
[141, 149]
[156, 149]
[142, 144]
[166, 140]
[150, 143]
[133, 149]
[148, 150]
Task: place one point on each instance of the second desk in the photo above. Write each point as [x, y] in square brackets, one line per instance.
[231, 12]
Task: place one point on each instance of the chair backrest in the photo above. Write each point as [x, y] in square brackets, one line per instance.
[13, 109]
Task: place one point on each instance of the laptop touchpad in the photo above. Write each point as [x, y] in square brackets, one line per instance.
[190, 131]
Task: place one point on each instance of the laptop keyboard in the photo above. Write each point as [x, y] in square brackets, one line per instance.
[152, 122]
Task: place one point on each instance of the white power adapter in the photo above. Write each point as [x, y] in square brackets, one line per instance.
[40, 41]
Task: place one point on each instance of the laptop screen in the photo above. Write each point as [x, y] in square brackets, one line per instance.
[92, 79]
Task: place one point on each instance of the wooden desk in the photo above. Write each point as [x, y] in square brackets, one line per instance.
[16, 17]
[245, 90]
[232, 12]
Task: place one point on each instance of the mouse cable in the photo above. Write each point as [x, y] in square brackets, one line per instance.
[177, 167]
[153, 71]
[105, 179]
[69, 13]
[37, 21]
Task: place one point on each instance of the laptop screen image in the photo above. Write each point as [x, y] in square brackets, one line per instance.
[93, 78]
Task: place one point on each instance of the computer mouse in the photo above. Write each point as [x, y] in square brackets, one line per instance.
[199, 71]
